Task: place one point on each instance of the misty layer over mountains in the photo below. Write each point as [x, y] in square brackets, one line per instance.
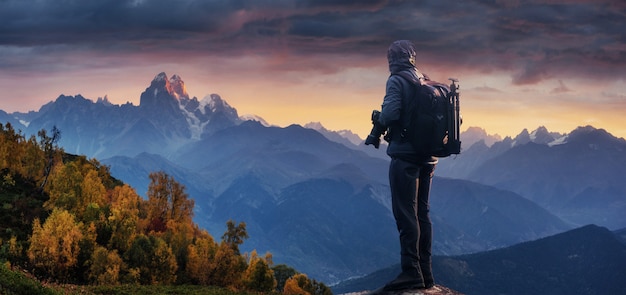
[318, 200]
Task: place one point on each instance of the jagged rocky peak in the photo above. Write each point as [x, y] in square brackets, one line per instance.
[104, 101]
[159, 84]
[314, 126]
[159, 97]
[214, 101]
[589, 134]
[475, 134]
[215, 104]
[177, 88]
[542, 136]
[209, 104]
[174, 86]
[522, 138]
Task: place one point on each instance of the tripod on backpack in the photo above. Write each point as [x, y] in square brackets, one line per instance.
[454, 118]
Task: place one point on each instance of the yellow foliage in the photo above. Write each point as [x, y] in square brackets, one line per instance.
[298, 284]
[124, 217]
[167, 201]
[153, 260]
[109, 222]
[15, 249]
[54, 247]
[164, 263]
[105, 266]
[92, 189]
[64, 188]
[292, 287]
[76, 187]
[227, 267]
[259, 276]
[199, 259]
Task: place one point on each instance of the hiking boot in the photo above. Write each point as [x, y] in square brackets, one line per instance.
[405, 281]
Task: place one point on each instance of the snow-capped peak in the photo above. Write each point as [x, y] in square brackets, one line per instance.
[160, 77]
[170, 94]
[559, 141]
[251, 117]
[214, 102]
[541, 135]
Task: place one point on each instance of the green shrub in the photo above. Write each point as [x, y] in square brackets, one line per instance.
[12, 282]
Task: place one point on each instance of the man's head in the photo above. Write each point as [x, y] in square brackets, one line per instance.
[401, 56]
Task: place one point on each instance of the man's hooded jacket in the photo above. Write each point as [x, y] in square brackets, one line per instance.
[404, 75]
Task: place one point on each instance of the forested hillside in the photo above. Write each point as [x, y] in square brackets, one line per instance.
[65, 219]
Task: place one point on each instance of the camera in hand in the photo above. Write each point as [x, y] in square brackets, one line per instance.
[377, 131]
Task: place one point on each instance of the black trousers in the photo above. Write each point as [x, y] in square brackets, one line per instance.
[410, 189]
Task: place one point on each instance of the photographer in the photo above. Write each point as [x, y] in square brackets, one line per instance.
[410, 173]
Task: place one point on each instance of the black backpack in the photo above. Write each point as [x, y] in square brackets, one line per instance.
[434, 122]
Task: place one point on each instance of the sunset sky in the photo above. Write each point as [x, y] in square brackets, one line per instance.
[522, 64]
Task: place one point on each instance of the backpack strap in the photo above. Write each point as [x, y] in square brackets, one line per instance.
[410, 102]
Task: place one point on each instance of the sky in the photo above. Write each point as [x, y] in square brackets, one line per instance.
[521, 64]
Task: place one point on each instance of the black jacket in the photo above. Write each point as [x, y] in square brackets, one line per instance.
[401, 87]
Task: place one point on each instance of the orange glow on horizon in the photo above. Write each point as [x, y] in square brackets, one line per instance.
[344, 100]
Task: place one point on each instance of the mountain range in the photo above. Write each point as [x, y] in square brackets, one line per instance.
[576, 176]
[318, 200]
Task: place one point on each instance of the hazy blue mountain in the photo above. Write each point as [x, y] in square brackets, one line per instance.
[580, 179]
[6, 118]
[485, 218]
[350, 140]
[475, 134]
[134, 171]
[341, 230]
[577, 176]
[279, 156]
[478, 147]
[586, 260]
[346, 137]
[621, 234]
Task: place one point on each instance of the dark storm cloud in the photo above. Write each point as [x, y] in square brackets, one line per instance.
[54, 22]
[531, 39]
[583, 39]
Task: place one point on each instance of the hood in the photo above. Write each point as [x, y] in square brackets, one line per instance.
[401, 57]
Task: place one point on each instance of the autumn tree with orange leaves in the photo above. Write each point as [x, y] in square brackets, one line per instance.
[66, 218]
